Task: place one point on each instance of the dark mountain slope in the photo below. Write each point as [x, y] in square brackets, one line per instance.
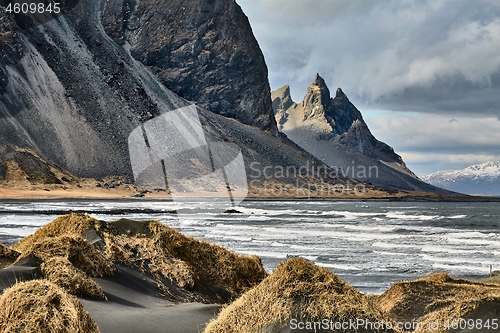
[74, 95]
[202, 50]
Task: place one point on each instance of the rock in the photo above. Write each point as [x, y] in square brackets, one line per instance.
[333, 130]
[204, 51]
[25, 165]
[73, 95]
[282, 100]
[317, 99]
[232, 211]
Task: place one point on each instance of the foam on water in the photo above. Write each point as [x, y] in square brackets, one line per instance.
[450, 250]
[482, 242]
[268, 254]
[452, 260]
[349, 215]
[340, 267]
[463, 269]
[457, 217]
[385, 253]
[371, 245]
[403, 216]
[394, 246]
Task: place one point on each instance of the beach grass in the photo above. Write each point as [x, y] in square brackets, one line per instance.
[437, 298]
[61, 272]
[297, 289]
[7, 256]
[210, 272]
[39, 306]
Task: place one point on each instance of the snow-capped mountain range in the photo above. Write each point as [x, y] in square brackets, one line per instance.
[477, 179]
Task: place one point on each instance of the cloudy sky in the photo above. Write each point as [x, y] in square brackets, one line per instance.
[425, 74]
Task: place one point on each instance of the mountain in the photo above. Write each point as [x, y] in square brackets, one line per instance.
[477, 179]
[204, 51]
[333, 130]
[73, 89]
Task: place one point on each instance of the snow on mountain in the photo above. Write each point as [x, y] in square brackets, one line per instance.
[477, 179]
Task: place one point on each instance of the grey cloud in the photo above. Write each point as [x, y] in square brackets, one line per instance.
[437, 134]
[431, 142]
[427, 56]
[300, 11]
[419, 63]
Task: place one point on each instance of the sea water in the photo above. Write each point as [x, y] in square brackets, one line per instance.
[368, 244]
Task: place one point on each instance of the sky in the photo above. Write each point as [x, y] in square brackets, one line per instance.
[424, 74]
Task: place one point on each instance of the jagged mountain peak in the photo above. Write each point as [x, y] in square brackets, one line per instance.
[340, 93]
[317, 100]
[334, 130]
[319, 81]
[486, 169]
[282, 99]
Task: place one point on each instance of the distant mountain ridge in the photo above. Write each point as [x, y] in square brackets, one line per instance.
[481, 178]
[333, 130]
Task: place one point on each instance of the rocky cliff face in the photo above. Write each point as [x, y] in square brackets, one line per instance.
[71, 94]
[333, 130]
[339, 119]
[204, 51]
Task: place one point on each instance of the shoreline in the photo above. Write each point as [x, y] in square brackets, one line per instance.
[54, 193]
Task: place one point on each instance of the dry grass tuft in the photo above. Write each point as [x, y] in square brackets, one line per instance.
[437, 297]
[6, 252]
[148, 254]
[40, 306]
[75, 281]
[70, 224]
[7, 256]
[75, 249]
[210, 270]
[438, 278]
[210, 263]
[68, 259]
[297, 289]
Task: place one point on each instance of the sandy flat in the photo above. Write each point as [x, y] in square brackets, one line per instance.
[73, 192]
[133, 307]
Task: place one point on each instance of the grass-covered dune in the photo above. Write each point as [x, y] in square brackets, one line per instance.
[78, 247]
[297, 290]
[43, 307]
[439, 303]
[122, 267]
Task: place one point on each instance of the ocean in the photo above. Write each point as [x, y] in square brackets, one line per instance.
[368, 244]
